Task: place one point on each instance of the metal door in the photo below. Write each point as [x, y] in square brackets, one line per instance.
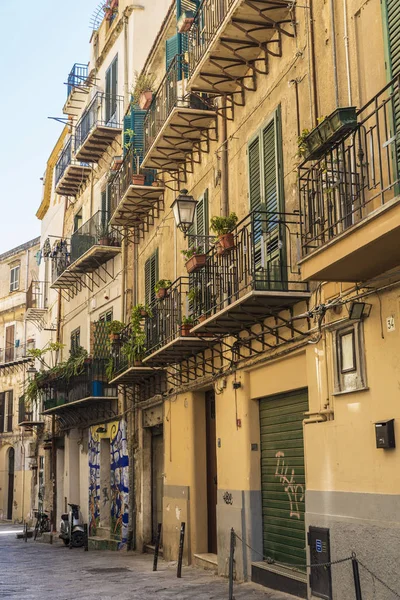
[157, 475]
[211, 448]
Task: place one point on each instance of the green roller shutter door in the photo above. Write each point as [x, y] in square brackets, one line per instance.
[283, 476]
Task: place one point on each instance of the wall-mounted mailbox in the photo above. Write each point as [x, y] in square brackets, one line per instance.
[385, 434]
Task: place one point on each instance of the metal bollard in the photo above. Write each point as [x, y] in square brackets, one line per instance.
[25, 532]
[231, 563]
[86, 533]
[180, 557]
[157, 547]
[356, 575]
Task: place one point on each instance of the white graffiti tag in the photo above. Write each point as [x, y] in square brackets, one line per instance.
[295, 491]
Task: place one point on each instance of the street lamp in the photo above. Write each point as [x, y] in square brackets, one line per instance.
[184, 207]
[31, 372]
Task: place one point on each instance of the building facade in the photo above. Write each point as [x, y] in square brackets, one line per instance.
[243, 230]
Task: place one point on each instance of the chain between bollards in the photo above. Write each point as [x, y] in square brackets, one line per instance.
[231, 563]
[180, 557]
[157, 547]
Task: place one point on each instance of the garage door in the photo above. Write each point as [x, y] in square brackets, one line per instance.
[283, 477]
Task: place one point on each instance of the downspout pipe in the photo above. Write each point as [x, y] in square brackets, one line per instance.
[313, 63]
[334, 52]
[224, 160]
[346, 47]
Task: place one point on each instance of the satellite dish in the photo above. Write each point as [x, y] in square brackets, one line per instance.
[98, 16]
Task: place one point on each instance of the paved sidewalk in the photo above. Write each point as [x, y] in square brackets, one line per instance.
[33, 571]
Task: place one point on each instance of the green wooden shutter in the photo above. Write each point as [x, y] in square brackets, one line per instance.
[283, 476]
[104, 206]
[111, 90]
[393, 30]
[186, 5]
[176, 46]
[270, 168]
[254, 174]
[127, 125]
[137, 120]
[150, 277]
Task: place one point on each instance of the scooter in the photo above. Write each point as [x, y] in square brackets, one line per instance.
[71, 522]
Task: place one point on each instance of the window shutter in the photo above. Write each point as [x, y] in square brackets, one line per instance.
[254, 174]
[10, 343]
[393, 25]
[2, 411]
[270, 168]
[137, 120]
[127, 125]
[10, 410]
[151, 277]
[103, 206]
[147, 282]
[178, 44]
[186, 5]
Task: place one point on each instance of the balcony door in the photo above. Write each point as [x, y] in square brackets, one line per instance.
[11, 468]
[111, 116]
[266, 260]
[10, 344]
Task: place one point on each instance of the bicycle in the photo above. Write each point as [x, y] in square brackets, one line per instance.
[42, 524]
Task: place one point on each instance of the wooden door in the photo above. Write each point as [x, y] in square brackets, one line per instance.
[10, 343]
[10, 501]
[211, 448]
[157, 476]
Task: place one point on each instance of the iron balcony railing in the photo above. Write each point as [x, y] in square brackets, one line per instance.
[92, 382]
[30, 413]
[164, 324]
[122, 178]
[66, 159]
[36, 296]
[356, 176]
[96, 231]
[104, 110]
[263, 258]
[15, 352]
[60, 259]
[171, 94]
[207, 21]
[77, 77]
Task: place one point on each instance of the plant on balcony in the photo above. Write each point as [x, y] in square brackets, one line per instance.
[116, 163]
[161, 288]
[76, 362]
[114, 330]
[186, 326]
[195, 258]
[110, 9]
[330, 130]
[103, 234]
[134, 348]
[143, 90]
[223, 228]
[140, 311]
[185, 21]
[109, 372]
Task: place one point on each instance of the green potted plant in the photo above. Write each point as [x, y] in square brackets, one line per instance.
[134, 348]
[103, 234]
[140, 311]
[195, 258]
[186, 326]
[223, 228]
[161, 288]
[114, 330]
[143, 90]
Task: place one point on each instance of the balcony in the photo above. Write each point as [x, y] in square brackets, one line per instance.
[78, 85]
[37, 303]
[254, 280]
[83, 400]
[166, 341]
[133, 204]
[15, 355]
[92, 245]
[70, 174]
[231, 41]
[350, 198]
[29, 416]
[98, 127]
[177, 122]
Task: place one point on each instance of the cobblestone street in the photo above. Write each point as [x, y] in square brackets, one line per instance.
[33, 570]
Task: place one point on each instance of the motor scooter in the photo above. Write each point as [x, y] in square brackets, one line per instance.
[71, 522]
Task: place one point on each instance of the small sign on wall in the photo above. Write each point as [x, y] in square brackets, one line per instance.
[390, 324]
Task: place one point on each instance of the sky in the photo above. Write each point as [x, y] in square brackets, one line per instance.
[39, 43]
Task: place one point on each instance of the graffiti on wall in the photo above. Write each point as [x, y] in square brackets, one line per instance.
[94, 481]
[119, 482]
[295, 491]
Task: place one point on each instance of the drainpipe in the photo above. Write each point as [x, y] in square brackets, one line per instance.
[123, 282]
[346, 46]
[224, 161]
[126, 61]
[313, 63]
[334, 53]
[135, 272]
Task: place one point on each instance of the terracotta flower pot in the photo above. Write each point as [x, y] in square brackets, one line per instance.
[195, 263]
[162, 293]
[155, 184]
[202, 318]
[114, 337]
[104, 241]
[145, 99]
[137, 363]
[143, 313]
[225, 243]
[185, 329]
[138, 179]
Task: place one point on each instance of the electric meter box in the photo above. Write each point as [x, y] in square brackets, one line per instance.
[384, 431]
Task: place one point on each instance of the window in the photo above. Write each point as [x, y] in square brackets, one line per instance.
[9, 406]
[10, 344]
[2, 411]
[200, 224]
[151, 277]
[111, 92]
[349, 359]
[14, 278]
[77, 220]
[75, 340]
[106, 317]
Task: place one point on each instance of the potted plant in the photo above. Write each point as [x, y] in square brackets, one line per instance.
[138, 179]
[186, 326]
[114, 330]
[116, 163]
[223, 227]
[143, 90]
[103, 234]
[161, 288]
[140, 311]
[195, 258]
[134, 348]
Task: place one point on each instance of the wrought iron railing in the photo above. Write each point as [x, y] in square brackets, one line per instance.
[77, 77]
[164, 324]
[92, 382]
[96, 231]
[36, 296]
[171, 94]
[25, 413]
[60, 259]
[122, 178]
[66, 159]
[15, 352]
[356, 176]
[263, 257]
[104, 110]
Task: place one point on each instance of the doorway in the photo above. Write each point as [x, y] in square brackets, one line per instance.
[10, 502]
[211, 454]
[157, 477]
[105, 483]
